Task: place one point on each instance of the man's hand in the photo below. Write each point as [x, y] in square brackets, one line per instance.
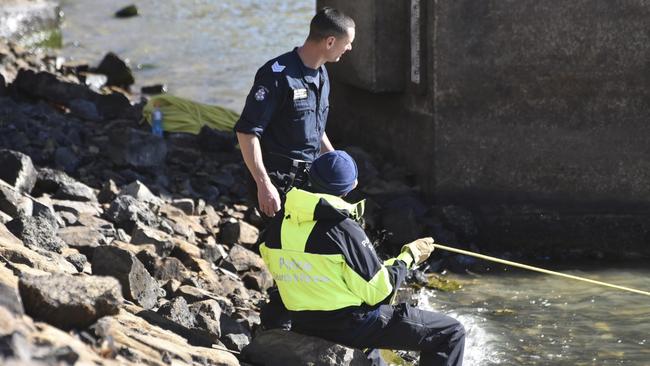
[420, 249]
[268, 198]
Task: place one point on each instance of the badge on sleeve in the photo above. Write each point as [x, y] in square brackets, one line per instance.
[261, 93]
[299, 94]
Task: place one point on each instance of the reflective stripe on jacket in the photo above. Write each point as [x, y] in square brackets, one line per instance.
[322, 260]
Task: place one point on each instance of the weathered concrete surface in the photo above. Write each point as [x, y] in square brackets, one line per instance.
[536, 107]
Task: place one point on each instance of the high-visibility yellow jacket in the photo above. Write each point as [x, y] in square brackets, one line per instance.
[322, 260]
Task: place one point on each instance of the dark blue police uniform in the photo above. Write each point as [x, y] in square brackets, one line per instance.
[287, 109]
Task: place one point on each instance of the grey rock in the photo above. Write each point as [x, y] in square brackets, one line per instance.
[172, 269]
[66, 159]
[13, 203]
[68, 218]
[235, 342]
[137, 283]
[36, 232]
[177, 311]
[236, 231]
[140, 192]
[9, 296]
[146, 235]
[137, 148]
[279, 347]
[82, 238]
[258, 280]
[206, 316]
[68, 301]
[108, 192]
[17, 170]
[97, 224]
[76, 207]
[117, 71]
[62, 186]
[125, 211]
[243, 259]
[78, 260]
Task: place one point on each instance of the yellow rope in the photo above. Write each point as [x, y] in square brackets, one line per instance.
[537, 269]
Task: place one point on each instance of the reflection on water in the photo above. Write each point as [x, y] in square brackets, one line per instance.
[205, 50]
[524, 319]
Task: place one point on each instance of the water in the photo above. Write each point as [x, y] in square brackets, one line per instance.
[204, 50]
[529, 319]
[209, 50]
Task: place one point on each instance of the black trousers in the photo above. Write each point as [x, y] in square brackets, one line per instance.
[439, 338]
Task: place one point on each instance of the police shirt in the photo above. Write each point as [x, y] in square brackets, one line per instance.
[287, 109]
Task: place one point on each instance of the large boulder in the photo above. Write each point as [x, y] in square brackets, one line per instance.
[137, 148]
[70, 302]
[137, 283]
[17, 170]
[279, 347]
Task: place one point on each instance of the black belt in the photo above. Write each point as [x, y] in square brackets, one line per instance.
[292, 170]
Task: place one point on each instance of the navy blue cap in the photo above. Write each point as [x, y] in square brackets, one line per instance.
[334, 173]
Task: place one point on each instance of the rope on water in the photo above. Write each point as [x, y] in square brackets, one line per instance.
[537, 269]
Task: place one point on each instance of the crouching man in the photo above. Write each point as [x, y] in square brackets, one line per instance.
[332, 281]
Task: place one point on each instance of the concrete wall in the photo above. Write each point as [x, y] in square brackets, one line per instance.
[536, 103]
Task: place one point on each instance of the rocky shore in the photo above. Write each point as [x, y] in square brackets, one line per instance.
[121, 247]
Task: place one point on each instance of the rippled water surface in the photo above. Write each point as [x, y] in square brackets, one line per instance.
[205, 50]
[529, 319]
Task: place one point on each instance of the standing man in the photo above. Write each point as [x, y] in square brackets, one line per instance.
[282, 127]
[332, 281]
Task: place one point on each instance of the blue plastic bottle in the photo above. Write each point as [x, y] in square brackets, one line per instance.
[156, 122]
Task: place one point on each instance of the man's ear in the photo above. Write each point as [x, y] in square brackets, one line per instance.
[329, 41]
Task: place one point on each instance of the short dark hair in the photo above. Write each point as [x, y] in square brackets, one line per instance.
[329, 22]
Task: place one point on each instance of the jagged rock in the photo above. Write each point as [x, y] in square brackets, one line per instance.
[236, 231]
[279, 347]
[177, 311]
[172, 268]
[24, 260]
[137, 148]
[82, 238]
[146, 235]
[36, 232]
[258, 280]
[46, 86]
[244, 259]
[95, 223]
[117, 71]
[78, 260]
[68, 218]
[183, 221]
[114, 105]
[9, 296]
[213, 252]
[206, 316]
[17, 170]
[137, 284]
[69, 301]
[171, 287]
[184, 204]
[24, 342]
[140, 191]
[13, 203]
[193, 294]
[152, 345]
[108, 192]
[235, 342]
[62, 186]
[125, 211]
[154, 89]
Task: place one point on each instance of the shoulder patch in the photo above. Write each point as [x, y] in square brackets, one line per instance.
[276, 67]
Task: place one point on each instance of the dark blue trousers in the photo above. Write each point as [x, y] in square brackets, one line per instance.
[439, 338]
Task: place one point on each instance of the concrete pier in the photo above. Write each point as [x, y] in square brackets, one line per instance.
[533, 114]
